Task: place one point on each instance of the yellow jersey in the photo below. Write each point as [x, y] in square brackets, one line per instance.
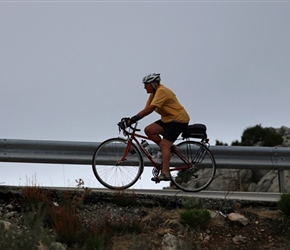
[167, 105]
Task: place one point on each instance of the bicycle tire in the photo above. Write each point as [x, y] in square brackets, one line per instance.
[203, 169]
[108, 169]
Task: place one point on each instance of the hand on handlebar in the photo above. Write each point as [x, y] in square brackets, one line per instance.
[127, 122]
[124, 123]
[134, 119]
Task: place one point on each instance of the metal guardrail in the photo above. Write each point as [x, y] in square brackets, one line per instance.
[58, 152]
[80, 153]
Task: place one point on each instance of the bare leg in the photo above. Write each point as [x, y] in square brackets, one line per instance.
[153, 131]
[165, 146]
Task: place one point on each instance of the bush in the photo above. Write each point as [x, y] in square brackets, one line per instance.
[195, 217]
[34, 196]
[190, 202]
[284, 204]
[63, 218]
[29, 237]
[40, 215]
[253, 136]
[65, 224]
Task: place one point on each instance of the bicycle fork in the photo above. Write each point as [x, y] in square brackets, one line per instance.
[126, 152]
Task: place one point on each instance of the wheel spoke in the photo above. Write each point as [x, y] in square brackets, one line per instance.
[113, 172]
[200, 175]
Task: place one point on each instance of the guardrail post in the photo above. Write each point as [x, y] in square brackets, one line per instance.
[279, 158]
[281, 180]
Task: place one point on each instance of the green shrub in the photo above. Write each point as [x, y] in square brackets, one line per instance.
[31, 236]
[257, 135]
[195, 217]
[63, 219]
[40, 215]
[189, 202]
[284, 204]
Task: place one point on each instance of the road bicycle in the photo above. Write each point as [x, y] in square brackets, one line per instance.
[118, 162]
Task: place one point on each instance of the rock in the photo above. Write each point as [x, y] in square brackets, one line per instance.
[252, 180]
[169, 242]
[266, 182]
[238, 218]
[232, 180]
[58, 246]
[216, 218]
[9, 207]
[207, 238]
[176, 227]
[7, 224]
[286, 136]
[238, 239]
[53, 245]
[9, 215]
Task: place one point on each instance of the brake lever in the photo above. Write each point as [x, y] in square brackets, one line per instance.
[125, 132]
[135, 129]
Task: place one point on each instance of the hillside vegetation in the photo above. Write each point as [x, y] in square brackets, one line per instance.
[36, 218]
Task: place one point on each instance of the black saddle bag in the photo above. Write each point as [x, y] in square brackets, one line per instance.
[195, 131]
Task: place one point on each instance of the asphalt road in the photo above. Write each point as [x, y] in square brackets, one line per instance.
[273, 197]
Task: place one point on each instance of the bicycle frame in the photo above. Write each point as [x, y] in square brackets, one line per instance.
[188, 164]
[133, 137]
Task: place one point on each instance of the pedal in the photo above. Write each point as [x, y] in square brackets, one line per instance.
[155, 172]
[156, 181]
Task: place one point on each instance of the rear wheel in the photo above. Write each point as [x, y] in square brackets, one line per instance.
[200, 175]
[112, 169]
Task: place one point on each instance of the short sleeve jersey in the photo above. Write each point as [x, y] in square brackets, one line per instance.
[167, 105]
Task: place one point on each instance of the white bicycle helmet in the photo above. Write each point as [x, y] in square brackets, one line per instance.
[154, 77]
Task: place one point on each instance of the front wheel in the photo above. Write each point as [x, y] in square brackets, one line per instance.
[115, 165]
[200, 174]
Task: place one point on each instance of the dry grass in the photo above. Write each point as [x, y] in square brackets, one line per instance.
[116, 229]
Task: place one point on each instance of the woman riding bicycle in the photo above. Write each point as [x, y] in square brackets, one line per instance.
[174, 119]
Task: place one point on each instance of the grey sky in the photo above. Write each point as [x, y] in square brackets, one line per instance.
[71, 69]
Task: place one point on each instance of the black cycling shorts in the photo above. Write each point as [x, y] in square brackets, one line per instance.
[172, 129]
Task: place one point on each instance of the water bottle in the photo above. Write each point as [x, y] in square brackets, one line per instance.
[158, 157]
[146, 146]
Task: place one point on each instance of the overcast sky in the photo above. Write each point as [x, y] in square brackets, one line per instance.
[69, 70]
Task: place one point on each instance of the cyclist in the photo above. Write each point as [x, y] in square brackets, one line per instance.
[174, 119]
